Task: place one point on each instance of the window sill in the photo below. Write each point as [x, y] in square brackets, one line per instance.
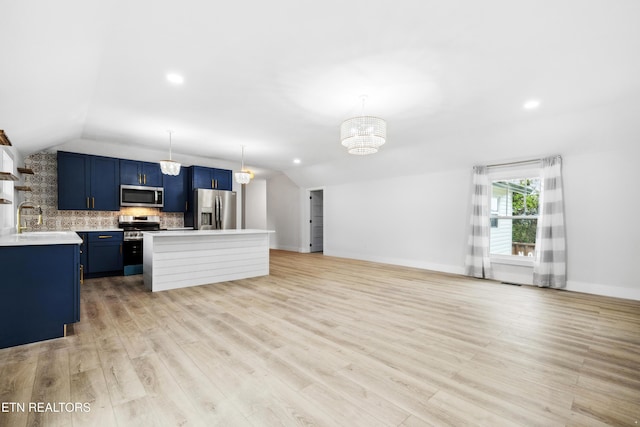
[525, 261]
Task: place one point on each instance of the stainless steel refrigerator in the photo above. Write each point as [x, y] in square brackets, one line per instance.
[214, 209]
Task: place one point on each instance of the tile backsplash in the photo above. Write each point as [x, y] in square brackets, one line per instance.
[44, 186]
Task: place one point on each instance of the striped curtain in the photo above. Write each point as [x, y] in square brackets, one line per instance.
[477, 262]
[549, 268]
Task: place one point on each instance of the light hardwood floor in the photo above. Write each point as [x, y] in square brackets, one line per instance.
[334, 342]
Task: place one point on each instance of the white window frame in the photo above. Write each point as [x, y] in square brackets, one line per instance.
[507, 173]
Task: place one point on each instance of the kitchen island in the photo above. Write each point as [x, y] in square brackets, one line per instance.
[40, 286]
[179, 259]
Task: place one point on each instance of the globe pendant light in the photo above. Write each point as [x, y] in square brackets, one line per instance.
[363, 135]
[243, 177]
[169, 167]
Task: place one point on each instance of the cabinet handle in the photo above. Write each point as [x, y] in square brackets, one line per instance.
[81, 274]
[212, 184]
[186, 206]
[93, 203]
[145, 178]
[87, 203]
[120, 248]
[139, 179]
[104, 237]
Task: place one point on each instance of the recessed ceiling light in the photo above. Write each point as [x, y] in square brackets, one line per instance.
[296, 161]
[531, 104]
[174, 78]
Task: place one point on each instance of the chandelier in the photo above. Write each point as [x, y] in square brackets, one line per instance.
[363, 134]
[244, 176]
[169, 167]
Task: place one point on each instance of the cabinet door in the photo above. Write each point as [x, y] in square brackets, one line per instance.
[201, 177]
[105, 252]
[222, 179]
[130, 172]
[73, 181]
[152, 175]
[84, 250]
[175, 192]
[36, 303]
[105, 184]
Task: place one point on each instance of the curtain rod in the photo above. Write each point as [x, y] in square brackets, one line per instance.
[522, 162]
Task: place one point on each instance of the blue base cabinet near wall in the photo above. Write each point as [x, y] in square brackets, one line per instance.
[104, 253]
[40, 292]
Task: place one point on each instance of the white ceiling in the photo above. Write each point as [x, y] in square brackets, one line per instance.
[279, 77]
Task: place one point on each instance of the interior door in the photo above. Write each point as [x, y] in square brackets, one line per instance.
[317, 222]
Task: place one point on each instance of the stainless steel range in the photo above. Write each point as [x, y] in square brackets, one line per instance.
[133, 227]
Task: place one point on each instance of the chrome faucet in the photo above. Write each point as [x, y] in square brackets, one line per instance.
[26, 205]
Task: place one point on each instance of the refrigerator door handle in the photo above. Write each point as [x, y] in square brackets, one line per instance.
[218, 213]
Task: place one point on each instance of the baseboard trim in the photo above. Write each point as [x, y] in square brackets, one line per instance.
[604, 290]
[442, 268]
[572, 286]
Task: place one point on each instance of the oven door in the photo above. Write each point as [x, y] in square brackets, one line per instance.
[132, 252]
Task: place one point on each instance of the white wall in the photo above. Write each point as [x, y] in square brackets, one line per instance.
[603, 236]
[283, 213]
[256, 204]
[7, 211]
[422, 221]
[418, 221]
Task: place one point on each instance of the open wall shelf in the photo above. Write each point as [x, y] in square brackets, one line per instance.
[25, 171]
[4, 140]
[6, 176]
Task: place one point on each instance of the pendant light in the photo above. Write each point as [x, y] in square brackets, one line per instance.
[169, 167]
[244, 176]
[363, 135]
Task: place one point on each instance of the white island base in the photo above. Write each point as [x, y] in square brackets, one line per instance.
[179, 259]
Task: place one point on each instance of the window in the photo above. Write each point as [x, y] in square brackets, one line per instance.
[514, 215]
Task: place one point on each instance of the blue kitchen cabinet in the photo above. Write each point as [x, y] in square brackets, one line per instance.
[73, 181]
[84, 250]
[88, 182]
[212, 178]
[176, 191]
[40, 292]
[133, 172]
[104, 253]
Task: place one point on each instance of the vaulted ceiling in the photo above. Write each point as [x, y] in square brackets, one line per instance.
[279, 77]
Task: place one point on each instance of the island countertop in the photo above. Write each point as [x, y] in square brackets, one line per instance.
[192, 233]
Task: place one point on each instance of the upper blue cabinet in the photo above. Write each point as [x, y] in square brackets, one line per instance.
[176, 191]
[88, 182]
[212, 178]
[140, 173]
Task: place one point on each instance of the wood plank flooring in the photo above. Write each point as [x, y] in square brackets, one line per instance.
[325, 341]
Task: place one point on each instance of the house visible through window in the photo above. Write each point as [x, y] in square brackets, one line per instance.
[514, 216]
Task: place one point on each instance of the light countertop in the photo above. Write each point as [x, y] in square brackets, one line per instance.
[195, 233]
[94, 230]
[41, 238]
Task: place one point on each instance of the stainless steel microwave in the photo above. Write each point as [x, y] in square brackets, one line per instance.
[137, 195]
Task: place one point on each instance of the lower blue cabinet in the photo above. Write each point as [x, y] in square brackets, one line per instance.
[40, 292]
[104, 253]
